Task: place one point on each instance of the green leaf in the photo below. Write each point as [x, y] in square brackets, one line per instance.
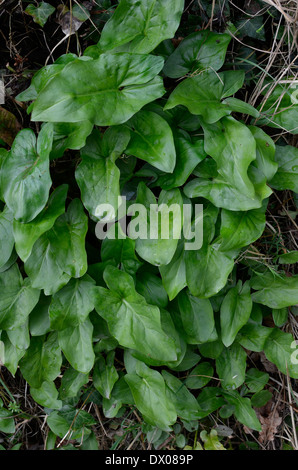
[43, 76]
[42, 268]
[197, 317]
[39, 320]
[7, 424]
[69, 136]
[111, 407]
[206, 169]
[202, 94]
[27, 177]
[158, 248]
[42, 361]
[134, 323]
[70, 230]
[265, 152]
[288, 258]
[280, 109]
[252, 26]
[10, 355]
[70, 422]
[212, 349]
[141, 26]
[275, 290]
[197, 447]
[207, 270]
[6, 235]
[58, 424]
[256, 380]
[199, 376]
[118, 84]
[105, 344]
[185, 403]
[98, 181]
[51, 441]
[233, 147]
[256, 316]
[253, 336]
[280, 316]
[71, 383]
[211, 441]
[41, 13]
[169, 328]
[149, 392]
[280, 348]
[286, 176]
[80, 12]
[105, 375]
[189, 153]
[20, 336]
[26, 234]
[178, 117]
[174, 273]
[121, 250]
[261, 398]
[152, 140]
[114, 142]
[72, 304]
[210, 399]
[151, 288]
[81, 357]
[230, 367]
[46, 395]
[3, 156]
[222, 194]
[200, 50]
[189, 360]
[240, 184]
[60, 253]
[259, 181]
[243, 410]
[13, 258]
[239, 106]
[121, 391]
[180, 441]
[234, 312]
[239, 229]
[18, 298]
[91, 443]
[97, 175]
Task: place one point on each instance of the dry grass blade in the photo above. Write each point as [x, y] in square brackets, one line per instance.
[295, 441]
[283, 7]
[281, 62]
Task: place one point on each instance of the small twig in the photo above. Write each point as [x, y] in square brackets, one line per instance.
[292, 411]
[132, 443]
[99, 419]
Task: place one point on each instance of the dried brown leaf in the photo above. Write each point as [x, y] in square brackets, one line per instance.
[269, 425]
[268, 366]
[9, 126]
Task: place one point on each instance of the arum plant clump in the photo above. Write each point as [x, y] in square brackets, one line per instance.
[156, 126]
